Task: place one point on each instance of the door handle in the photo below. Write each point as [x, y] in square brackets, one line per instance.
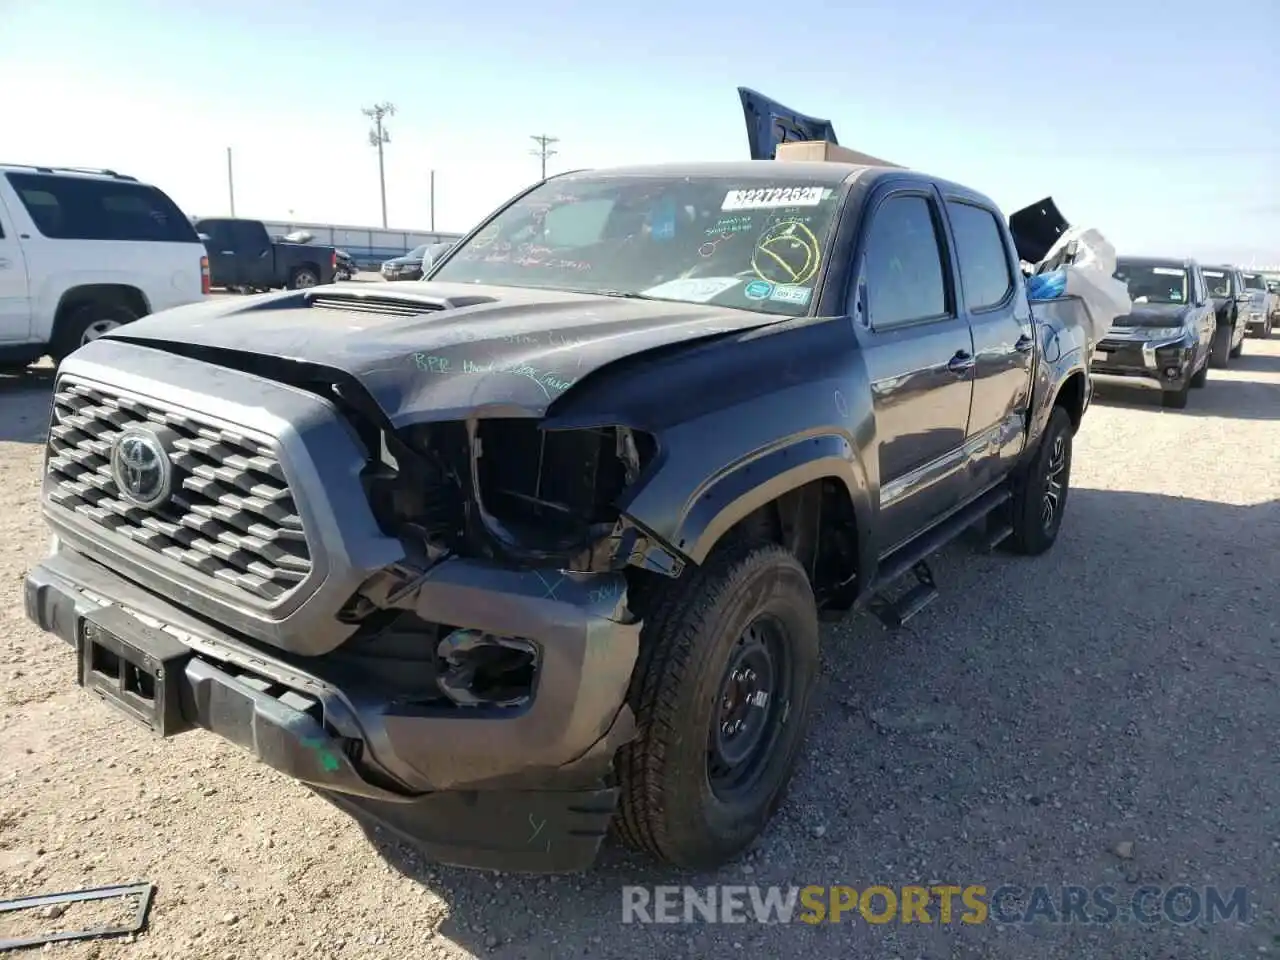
[1024, 343]
[962, 362]
[228, 253]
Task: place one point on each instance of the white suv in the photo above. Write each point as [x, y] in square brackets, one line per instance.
[84, 251]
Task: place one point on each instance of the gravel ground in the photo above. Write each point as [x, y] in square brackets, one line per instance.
[1105, 714]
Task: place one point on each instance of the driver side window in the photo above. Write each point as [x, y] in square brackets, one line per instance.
[904, 274]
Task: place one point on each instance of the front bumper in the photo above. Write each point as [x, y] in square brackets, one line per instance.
[1163, 364]
[527, 789]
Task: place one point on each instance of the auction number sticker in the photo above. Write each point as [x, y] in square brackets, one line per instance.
[1167, 271]
[770, 198]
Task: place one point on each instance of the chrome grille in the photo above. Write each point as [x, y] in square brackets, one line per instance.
[231, 517]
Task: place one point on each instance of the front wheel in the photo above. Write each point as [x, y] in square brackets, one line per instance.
[1040, 496]
[1220, 350]
[721, 692]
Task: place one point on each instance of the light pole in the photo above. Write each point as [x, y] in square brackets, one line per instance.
[544, 150]
[378, 135]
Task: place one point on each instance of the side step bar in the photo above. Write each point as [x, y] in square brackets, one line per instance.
[911, 558]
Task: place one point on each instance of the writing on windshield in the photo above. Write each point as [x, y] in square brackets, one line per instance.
[747, 243]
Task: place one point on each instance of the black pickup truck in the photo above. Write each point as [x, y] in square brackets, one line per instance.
[242, 256]
[541, 545]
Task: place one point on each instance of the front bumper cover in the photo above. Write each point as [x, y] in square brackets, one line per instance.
[1139, 362]
[526, 791]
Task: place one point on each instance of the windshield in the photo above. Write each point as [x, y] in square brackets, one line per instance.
[1150, 283]
[417, 252]
[1253, 281]
[1218, 282]
[748, 243]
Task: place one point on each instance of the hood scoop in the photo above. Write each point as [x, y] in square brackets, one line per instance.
[388, 304]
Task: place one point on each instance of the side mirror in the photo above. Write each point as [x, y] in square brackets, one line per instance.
[1244, 298]
[204, 237]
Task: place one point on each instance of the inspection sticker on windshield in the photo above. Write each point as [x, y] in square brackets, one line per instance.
[769, 198]
[790, 293]
[693, 289]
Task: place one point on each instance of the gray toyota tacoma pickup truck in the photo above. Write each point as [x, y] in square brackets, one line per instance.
[539, 546]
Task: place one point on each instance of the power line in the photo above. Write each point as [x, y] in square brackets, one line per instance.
[544, 150]
[378, 135]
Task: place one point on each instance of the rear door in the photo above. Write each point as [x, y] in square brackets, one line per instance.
[999, 317]
[919, 356]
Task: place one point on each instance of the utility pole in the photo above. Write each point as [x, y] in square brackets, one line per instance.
[378, 135]
[544, 150]
[231, 185]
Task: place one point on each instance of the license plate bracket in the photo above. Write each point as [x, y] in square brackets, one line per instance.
[134, 667]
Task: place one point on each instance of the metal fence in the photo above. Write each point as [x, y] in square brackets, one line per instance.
[368, 246]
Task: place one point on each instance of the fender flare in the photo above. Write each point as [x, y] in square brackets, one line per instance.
[748, 485]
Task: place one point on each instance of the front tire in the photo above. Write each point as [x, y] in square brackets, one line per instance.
[721, 694]
[1221, 347]
[1040, 497]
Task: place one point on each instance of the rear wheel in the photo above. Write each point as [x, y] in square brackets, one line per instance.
[721, 695]
[1040, 496]
[85, 324]
[302, 278]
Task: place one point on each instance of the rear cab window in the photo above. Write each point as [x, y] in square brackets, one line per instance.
[89, 208]
[985, 269]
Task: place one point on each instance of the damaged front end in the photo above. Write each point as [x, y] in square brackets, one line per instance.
[505, 494]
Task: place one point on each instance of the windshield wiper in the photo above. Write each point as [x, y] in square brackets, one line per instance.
[623, 294]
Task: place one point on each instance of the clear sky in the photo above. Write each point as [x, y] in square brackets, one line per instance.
[1157, 121]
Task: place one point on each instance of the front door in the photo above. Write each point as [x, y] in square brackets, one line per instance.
[919, 356]
[1003, 338]
[254, 259]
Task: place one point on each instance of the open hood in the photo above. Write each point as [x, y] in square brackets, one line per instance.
[1036, 228]
[769, 123]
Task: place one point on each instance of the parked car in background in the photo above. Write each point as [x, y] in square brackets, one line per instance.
[406, 267]
[1259, 306]
[243, 256]
[1165, 343]
[346, 268]
[1230, 302]
[82, 252]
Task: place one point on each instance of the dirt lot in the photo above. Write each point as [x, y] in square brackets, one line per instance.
[1106, 714]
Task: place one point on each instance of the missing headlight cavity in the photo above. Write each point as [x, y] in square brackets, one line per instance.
[555, 489]
[481, 669]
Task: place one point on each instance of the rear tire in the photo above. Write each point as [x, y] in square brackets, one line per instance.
[745, 620]
[86, 323]
[1040, 495]
[302, 278]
